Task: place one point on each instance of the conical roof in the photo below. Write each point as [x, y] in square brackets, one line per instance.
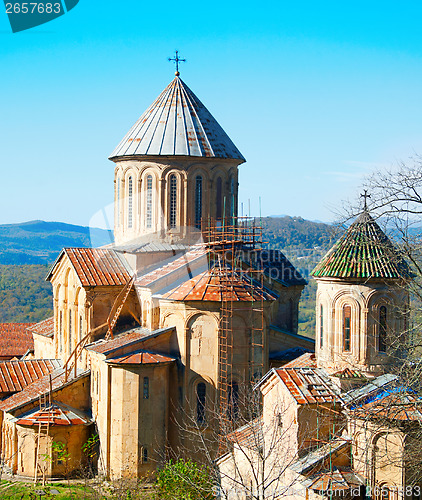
[177, 124]
[364, 251]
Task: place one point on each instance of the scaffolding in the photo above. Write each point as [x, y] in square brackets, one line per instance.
[235, 246]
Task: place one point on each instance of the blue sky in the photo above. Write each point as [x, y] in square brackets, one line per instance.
[315, 95]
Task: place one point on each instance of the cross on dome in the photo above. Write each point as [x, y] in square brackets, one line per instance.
[177, 60]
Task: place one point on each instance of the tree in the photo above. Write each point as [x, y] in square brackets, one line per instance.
[185, 480]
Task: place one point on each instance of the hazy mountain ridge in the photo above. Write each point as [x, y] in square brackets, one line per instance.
[39, 242]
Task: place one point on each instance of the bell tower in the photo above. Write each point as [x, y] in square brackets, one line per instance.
[362, 301]
[176, 169]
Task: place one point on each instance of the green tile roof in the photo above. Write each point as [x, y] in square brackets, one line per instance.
[364, 251]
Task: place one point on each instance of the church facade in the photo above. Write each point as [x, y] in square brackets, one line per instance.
[173, 319]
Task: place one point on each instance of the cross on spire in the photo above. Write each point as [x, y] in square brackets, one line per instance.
[365, 197]
[177, 60]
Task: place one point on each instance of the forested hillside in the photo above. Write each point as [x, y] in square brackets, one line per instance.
[27, 250]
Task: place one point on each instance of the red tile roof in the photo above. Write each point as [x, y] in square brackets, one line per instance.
[309, 385]
[15, 375]
[306, 360]
[250, 435]
[141, 358]
[56, 414]
[217, 285]
[396, 406]
[45, 327]
[15, 340]
[96, 266]
[32, 392]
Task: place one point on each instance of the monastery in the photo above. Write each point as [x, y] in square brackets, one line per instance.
[187, 309]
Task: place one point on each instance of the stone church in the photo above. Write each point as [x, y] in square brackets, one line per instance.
[184, 309]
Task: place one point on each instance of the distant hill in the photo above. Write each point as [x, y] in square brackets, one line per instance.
[39, 242]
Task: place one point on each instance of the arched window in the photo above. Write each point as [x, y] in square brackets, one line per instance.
[70, 330]
[201, 392]
[233, 400]
[218, 201]
[232, 212]
[146, 388]
[198, 201]
[173, 200]
[321, 327]
[144, 455]
[347, 333]
[148, 212]
[130, 203]
[382, 332]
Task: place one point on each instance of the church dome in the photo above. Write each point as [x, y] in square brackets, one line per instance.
[177, 124]
[364, 251]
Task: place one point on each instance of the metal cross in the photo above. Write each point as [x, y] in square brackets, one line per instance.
[365, 197]
[177, 60]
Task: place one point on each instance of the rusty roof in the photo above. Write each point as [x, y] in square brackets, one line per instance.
[349, 373]
[96, 266]
[56, 414]
[309, 385]
[402, 406]
[218, 285]
[334, 480]
[174, 265]
[45, 327]
[177, 124]
[250, 435]
[306, 360]
[132, 336]
[15, 339]
[15, 375]
[140, 357]
[41, 386]
[364, 251]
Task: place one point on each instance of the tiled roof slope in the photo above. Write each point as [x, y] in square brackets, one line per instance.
[15, 375]
[45, 327]
[15, 340]
[364, 251]
[41, 386]
[216, 285]
[96, 266]
[177, 124]
[141, 358]
[279, 268]
[56, 414]
[309, 385]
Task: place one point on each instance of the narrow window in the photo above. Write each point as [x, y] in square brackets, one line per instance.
[80, 327]
[382, 334]
[201, 391]
[61, 330]
[144, 455]
[233, 400]
[218, 200]
[198, 201]
[148, 214]
[130, 203]
[146, 388]
[347, 314]
[118, 201]
[173, 201]
[321, 327]
[232, 214]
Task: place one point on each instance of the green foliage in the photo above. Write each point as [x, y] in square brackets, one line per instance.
[90, 447]
[25, 296]
[184, 480]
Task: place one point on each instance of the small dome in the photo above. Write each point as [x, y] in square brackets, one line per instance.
[177, 124]
[364, 251]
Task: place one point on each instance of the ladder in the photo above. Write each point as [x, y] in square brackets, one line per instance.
[43, 431]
